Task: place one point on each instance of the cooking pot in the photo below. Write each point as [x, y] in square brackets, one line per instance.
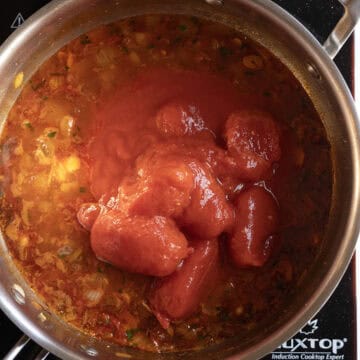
[61, 21]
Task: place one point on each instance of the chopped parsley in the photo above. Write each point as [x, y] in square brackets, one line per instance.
[82, 189]
[29, 125]
[51, 134]
[130, 333]
[182, 27]
[125, 49]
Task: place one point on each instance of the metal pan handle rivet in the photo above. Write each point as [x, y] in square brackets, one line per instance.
[18, 294]
[313, 71]
[215, 2]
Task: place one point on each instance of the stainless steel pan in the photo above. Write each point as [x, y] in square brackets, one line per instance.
[62, 20]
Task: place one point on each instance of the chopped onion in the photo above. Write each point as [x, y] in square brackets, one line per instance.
[65, 251]
[94, 296]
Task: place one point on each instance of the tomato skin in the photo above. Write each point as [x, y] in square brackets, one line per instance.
[257, 218]
[150, 246]
[209, 213]
[168, 175]
[178, 296]
[179, 118]
[253, 139]
[87, 214]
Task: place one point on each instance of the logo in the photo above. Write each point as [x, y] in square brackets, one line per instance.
[308, 346]
[310, 327]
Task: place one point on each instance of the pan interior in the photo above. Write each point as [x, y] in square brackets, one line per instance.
[64, 21]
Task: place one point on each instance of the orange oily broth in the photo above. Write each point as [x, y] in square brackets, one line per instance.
[45, 178]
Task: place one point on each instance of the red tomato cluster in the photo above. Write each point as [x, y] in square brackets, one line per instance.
[166, 217]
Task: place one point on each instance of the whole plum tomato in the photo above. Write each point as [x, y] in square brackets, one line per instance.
[177, 296]
[146, 245]
[257, 219]
[253, 140]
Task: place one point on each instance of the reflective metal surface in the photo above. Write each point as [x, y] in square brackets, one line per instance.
[59, 22]
[344, 28]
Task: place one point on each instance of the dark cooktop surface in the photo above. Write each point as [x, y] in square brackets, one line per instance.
[331, 334]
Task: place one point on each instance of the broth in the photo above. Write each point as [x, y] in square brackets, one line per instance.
[95, 118]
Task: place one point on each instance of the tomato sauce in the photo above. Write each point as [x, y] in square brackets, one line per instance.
[166, 183]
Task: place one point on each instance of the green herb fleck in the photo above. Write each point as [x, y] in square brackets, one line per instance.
[38, 85]
[51, 134]
[100, 270]
[85, 40]
[182, 27]
[29, 125]
[61, 256]
[44, 98]
[82, 189]
[224, 51]
[125, 49]
[130, 333]
[151, 46]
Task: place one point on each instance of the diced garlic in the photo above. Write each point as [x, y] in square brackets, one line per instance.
[67, 124]
[141, 38]
[134, 57]
[56, 81]
[26, 206]
[60, 172]
[239, 310]
[237, 42]
[41, 158]
[70, 60]
[253, 62]
[23, 243]
[12, 230]
[105, 56]
[19, 150]
[72, 163]
[69, 186]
